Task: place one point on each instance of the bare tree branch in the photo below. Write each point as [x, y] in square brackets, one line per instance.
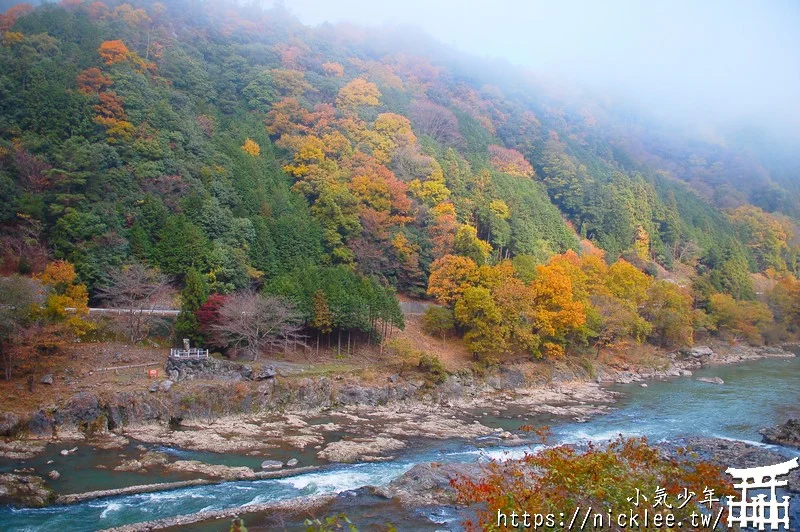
[140, 290]
[250, 323]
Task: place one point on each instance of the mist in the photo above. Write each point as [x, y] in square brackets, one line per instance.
[727, 64]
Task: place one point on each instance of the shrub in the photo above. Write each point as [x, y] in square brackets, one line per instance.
[433, 368]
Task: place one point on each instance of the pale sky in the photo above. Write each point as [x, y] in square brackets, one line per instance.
[716, 59]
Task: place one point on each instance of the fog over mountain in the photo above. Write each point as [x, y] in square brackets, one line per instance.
[712, 63]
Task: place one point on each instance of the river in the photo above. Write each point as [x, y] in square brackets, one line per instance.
[755, 395]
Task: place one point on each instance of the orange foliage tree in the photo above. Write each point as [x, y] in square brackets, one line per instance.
[555, 479]
[113, 51]
[333, 69]
[450, 276]
[92, 80]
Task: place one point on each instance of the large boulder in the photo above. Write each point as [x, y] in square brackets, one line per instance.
[429, 483]
[24, 490]
[81, 409]
[701, 351]
[9, 424]
[787, 434]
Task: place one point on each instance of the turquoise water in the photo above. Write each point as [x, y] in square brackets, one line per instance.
[754, 395]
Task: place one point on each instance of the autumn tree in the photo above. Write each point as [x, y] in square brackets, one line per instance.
[333, 69]
[436, 121]
[557, 313]
[113, 52]
[669, 310]
[477, 312]
[394, 132]
[251, 147]
[467, 244]
[600, 476]
[250, 323]
[208, 315]
[747, 319]
[68, 299]
[784, 299]
[358, 93]
[92, 80]
[613, 320]
[450, 277]
[136, 291]
[509, 161]
[627, 282]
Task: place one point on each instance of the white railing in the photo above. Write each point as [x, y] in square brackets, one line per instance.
[195, 353]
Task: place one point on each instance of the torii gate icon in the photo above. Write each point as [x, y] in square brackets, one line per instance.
[759, 511]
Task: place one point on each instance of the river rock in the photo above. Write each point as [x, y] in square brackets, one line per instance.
[166, 385]
[429, 484]
[9, 424]
[701, 351]
[24, 490]
[271, 464]
[711, 380]
[21, 449]
[366, 449]
[212, 470]
[729, 453]
[787, 434]
[47, 379]
[266, 372]
[64, 452]
[54, 474]
[129, 465]
[291, 462]
[153, 458]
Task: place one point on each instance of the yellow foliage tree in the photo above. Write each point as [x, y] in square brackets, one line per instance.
[628, 283]
[358, 93]
[68, 300]
[251, 147]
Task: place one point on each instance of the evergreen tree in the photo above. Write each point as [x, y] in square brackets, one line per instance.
[193, 296]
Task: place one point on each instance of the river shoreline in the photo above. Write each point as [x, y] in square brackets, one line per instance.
[374, 433]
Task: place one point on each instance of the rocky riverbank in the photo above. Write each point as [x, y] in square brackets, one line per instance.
[683, 362]
[337, 419]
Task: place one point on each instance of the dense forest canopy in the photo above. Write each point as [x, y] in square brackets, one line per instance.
[335, 166]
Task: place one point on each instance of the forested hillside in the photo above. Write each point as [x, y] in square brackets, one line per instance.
[223, 149]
